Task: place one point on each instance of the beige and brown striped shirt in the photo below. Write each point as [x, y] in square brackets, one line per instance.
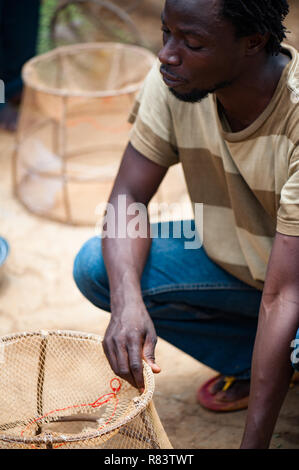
[248, 180]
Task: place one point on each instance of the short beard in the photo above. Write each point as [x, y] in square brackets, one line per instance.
[196, 95]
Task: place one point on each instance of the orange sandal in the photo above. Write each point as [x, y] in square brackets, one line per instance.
[218, 401]
[294, 379]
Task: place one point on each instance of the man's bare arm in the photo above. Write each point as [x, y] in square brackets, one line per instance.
[130, 335]
[277, 326]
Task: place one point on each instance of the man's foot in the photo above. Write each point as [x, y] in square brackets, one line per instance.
[9, 117]
[224, 394]
[294, 379]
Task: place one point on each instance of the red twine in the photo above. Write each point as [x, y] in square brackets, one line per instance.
[96, 404]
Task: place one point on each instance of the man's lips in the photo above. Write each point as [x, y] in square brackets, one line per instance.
[171, 80]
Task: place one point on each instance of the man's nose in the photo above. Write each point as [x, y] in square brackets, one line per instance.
[168, 55]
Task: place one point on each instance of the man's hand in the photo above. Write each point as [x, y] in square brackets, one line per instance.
[129, 338]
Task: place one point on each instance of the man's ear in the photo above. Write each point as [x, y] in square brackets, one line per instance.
[256, 42]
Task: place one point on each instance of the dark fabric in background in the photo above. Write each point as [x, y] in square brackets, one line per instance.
[18, 36]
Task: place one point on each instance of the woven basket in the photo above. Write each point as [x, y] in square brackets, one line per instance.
[73, 127]
[58, 391]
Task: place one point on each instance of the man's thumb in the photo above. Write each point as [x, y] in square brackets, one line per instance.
[149, 356]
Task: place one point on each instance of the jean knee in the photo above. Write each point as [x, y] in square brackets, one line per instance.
[90, 274]
[83, 269]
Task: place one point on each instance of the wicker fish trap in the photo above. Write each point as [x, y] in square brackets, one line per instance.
[58, 391]
[73, 127]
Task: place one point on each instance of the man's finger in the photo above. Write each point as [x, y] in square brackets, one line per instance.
[135, 362]
[149, 354]
[110, 354]
[123, 366]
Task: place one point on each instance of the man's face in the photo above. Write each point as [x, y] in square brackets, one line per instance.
[200, 53]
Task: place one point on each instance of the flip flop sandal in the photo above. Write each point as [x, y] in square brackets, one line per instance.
[294, 379]
[216, 401]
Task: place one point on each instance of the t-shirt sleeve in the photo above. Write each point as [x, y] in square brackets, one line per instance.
[288, 212]
[152, 134]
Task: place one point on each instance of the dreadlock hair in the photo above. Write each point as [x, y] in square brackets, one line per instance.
[258, 16]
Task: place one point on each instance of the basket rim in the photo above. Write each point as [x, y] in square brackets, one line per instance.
[141, 403]
[63, 92]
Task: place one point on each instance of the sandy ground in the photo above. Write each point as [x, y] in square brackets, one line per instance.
[38, 292]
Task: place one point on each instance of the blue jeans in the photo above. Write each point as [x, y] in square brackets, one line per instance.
[194, 304]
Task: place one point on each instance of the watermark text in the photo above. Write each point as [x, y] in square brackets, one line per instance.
[131, 220]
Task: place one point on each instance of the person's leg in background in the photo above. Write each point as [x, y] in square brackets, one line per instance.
[195, 305]
[18, 37]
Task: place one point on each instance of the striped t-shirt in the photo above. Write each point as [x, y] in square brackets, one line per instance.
[248, 181]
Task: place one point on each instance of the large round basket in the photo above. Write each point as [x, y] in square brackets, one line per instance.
[58, 391]
[73, 127]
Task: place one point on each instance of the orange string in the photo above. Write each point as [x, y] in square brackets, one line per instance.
[96, 404]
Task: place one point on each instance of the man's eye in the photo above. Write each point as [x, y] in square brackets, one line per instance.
[193, 48]
[165, 30]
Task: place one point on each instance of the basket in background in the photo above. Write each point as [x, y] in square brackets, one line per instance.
[73, 127]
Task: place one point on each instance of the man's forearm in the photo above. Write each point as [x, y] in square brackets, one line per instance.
[130, 336]
[125, 259]
[271, 369]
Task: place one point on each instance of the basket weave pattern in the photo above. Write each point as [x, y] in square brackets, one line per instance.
[57, 390]
[73, 127]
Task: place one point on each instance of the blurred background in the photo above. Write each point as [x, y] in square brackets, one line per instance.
[292, 23]
[69, 22]
[53, 23]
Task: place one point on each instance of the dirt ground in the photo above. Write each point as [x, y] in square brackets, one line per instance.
[38, 292]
